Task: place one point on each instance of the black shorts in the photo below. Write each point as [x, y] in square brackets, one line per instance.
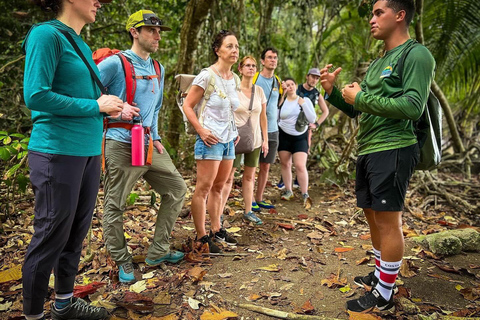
[292, 144]
[383, 177]
[272, 148]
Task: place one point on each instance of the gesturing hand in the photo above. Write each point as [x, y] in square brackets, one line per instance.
[327, 79]
[130, 111]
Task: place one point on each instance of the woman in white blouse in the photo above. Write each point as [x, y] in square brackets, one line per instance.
[293, 144]
[216, 136]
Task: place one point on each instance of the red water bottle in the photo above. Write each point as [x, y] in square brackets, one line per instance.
[138, 145]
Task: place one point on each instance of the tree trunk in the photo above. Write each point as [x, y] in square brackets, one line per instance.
[264, 39]
[195, 14]
[447, 110]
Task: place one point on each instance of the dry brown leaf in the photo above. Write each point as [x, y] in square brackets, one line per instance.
[333, 281]
[365, 236]
[471, 294]
[162, 298]
[406, 269]
[281, 254]
[196, 273]
[362, 316]
[315, 235]
[308, 203]
[362, 261]
[307, 307]
[254, 297]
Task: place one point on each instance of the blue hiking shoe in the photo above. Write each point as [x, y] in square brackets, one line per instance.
[126, 273]
[255, 207]
[251, 217]
[172, 257]
[265, 205]
[280, 184]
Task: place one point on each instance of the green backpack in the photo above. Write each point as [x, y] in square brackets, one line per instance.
[428, 128]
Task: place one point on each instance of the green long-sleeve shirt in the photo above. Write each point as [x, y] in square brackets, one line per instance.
[387, 106]
[59, 90]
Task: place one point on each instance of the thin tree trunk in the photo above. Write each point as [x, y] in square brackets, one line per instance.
[447, 110]
[195, 14]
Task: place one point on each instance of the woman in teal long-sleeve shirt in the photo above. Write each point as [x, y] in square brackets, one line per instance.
[64, 155]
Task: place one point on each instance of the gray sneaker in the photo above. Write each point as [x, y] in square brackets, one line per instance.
[287, 195]
[78, 309]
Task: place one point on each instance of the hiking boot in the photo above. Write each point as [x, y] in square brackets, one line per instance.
[371, 301]
[287, 195]
[212, 247]
[125, 273]
[223, 236]
[255, 207]
[370, 281]
[172, 257]
[78, 309]
[251, 217]
[265, 205]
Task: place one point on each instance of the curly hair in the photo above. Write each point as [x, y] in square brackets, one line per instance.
[218, 40]
[54, 6]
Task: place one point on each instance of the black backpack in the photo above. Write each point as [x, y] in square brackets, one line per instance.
[428, 128]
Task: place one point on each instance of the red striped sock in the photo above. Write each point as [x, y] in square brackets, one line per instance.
[388, 274]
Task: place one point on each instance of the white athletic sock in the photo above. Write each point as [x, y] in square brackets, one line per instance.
[377, 255]
[388, 274]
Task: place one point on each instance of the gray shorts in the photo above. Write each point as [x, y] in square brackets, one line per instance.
[272, 148]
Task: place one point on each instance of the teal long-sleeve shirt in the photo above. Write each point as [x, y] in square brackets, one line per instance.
[388, 105]
[61, 93]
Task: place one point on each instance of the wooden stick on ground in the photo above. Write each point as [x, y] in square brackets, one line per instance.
[281, 314]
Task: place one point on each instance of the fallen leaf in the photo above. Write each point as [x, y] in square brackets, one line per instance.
[315, 235]
[254, 297]
[220, 314]
[225, 275]
[362, 316]
[333, 281]
[139, 286]
[14, 273]
[471, 294]
[307, 307]
[286, 226]
[344, 249]
[162, 298]
[302, 216]
[308, 203]
[233, 229]
[196, 273]
[83, 291]
[5, 306]
[281, 254]
[194, 304]
[270, 268]
[406, 269]
[365, 236]
[345, 289]
[362, 261]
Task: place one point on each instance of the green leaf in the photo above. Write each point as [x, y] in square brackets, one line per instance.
[132, 198]
[10, 172]
[4, 154]
[17, 135]
[7, 140]
[153, 198]
[22, 182]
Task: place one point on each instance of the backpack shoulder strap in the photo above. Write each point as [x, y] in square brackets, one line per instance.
[130, 80]
[279, 82]
[210, 86]
[82, 56]
[401, 61]
[158, 71]
[237, 81]
[255, 77]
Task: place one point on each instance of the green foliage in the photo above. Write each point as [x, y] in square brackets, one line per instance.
[13, 160]
[132, 197]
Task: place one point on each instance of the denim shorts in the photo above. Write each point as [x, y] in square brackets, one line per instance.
[219, 151]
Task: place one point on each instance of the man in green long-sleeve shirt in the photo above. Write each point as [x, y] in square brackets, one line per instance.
[387, 104]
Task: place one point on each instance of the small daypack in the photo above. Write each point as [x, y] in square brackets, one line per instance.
[185, 83]
[428, 127]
